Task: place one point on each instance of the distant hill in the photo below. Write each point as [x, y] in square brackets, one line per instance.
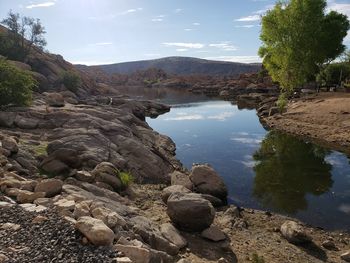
[179, 66]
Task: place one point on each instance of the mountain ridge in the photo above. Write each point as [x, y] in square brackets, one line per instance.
[176, 65]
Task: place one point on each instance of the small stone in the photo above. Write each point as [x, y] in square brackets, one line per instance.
[3, 258]
[183, 260]
[85, 241]
[213, 233]
[346, 256]
[294, 233]
[122, 260]
[329, 244]
[10, 226]
[6, 204]
[39, 219]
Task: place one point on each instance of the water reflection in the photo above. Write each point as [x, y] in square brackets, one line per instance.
[288, 169]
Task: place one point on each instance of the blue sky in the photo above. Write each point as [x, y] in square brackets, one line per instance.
[109, 31]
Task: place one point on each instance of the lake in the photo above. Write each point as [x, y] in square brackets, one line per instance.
[262, 169]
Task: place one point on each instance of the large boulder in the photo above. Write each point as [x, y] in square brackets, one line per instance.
[190, 212]
[207, 181]
[95, 231]
[294, 232]
[51, 187]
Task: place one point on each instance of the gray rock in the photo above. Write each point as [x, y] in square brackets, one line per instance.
[136, 254]
[85, 176]
[346, 256]
[294, 233]
[95, 231]
[173, 189]
[28, 197]
[207, 181]
[173, 235]
[178, 178]
[107, 173]
[54, 99]
[51, 187]
[213, 233]
[329, 245]
[190, 212]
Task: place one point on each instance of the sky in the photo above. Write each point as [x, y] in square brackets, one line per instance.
[96, 32]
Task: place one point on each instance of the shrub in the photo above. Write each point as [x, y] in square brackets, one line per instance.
[257, 259]
[71, 80]
[282, 102]
[16, 86]
[126, 178]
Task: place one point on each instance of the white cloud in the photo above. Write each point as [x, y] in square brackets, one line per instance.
[249, 18]
[196, 24]
[246, 26]
[188, 29]
[133, 10]
[101, 44]
[226, 46]
[339, 7]
[183, 45]
[241, 59]
[181, 49]
[158, 18]
[45, 4]
[178, 10]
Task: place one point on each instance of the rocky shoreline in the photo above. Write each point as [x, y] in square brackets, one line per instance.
[328, 126]
[67, 166]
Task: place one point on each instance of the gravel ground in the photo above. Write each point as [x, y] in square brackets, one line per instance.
[53, 240]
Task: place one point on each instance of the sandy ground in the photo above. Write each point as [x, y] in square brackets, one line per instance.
[259, 236]
[323, 117]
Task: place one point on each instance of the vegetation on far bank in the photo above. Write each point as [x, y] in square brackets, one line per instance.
[300, 39]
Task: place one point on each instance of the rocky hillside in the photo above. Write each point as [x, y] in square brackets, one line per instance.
[180, 66]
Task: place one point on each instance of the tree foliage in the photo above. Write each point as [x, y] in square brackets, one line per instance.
[334, 74]
[15, 85]
[23, 33]
[71, 80]
[299, 37]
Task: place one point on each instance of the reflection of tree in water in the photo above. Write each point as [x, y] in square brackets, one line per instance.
[287, 169]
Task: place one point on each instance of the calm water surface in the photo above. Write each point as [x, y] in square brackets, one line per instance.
[262, 169]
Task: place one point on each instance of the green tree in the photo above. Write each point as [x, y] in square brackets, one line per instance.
[15, 85]
[71, 80]
[334, 74]
[23, 33]
[299, 37]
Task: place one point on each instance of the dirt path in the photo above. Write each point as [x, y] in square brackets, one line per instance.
[323, 117]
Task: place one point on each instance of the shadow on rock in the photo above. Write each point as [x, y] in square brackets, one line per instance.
[210, 250]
